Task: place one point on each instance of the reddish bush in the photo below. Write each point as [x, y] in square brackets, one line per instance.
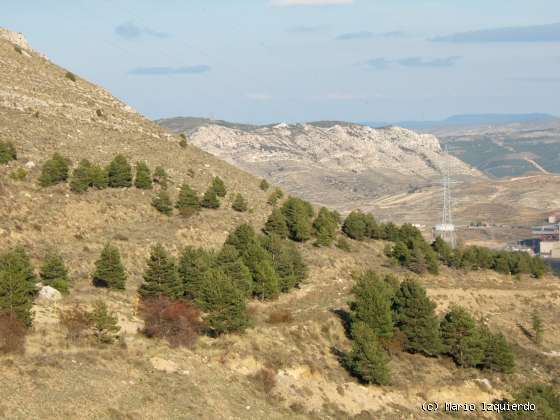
[266, 379]
[178, 321]
[12, 334]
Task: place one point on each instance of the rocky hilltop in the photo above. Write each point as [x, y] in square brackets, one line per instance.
[338, 165]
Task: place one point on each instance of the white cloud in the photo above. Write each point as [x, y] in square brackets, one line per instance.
[309, 2]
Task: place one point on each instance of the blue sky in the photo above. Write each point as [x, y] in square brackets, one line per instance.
[300, 60]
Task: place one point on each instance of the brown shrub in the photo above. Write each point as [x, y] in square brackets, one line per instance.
[178, 321]
[280, 316]
[12, 335]
[77, 321]
[266, 379]
[395, 344]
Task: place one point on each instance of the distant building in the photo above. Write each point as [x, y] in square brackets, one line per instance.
[547, 232]
[550, 249]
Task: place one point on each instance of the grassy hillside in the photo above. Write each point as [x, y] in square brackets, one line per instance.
[287, 365]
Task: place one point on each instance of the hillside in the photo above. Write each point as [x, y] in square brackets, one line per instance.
[45, 109]
[331, 164]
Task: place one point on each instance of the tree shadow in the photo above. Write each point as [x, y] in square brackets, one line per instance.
[346, 319]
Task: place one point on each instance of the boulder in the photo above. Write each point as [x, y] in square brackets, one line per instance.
[48, 294]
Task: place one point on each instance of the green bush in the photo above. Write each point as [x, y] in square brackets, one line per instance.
[160, 177]
[223, 302]
[7, 152]
[109, 271]
[193, 263]
[210, 199]
[54, 171]
[343, 244]
[414, 315]
[257, 259]
[187, 203]
[219, 187]
[298, 215]
[462, 338]
[119, 172]
[276, 224]
[71, 76]
[275, 196]
[82, 178]
[498, 355]
[264, 185]
[359, 226]
[286, 261]
[162, 203]
[143, 178]
[54, 272]
[239, 203]
[546, 399]
[367, 359]
[161, 276]
[372, 304]
[324, 227]
[105, 323]
[18, 174]
[17, 285]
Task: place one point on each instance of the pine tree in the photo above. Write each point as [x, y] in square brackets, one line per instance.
[461, 337]
[219, 187]
[54, 272]
[298, 215]
[162, 203]
[239, 203]
[143, 178]
[275, 196]
[81, 178]
[99, 177]
[286, 261]
[54, 171]
[105, 323]
[372, 304]
[324, 227]
[119, 172]
[17, 285]
[223, 302]
[257, 259]
[367, 360]
[161, 277]
[7, 152]
[264, 185]
[109, 271]
[498, 355]
[187, 202]
[193, 263]
[546, 399]
[160, 177]
[414, 316]
[210, 199]
[355, 226]
[230, 262]
[276, 224]
[536, 322]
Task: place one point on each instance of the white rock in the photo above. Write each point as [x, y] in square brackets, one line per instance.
[30, 164]
[48, 293]
[164, 365]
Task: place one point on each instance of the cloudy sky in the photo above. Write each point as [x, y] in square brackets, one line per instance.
[300, 60]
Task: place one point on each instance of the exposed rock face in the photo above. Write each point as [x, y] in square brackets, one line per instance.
[15, 38]
[48, 294]
[337, 165]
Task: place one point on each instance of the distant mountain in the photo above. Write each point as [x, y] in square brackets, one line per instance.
[332, 163]
[468, 120]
